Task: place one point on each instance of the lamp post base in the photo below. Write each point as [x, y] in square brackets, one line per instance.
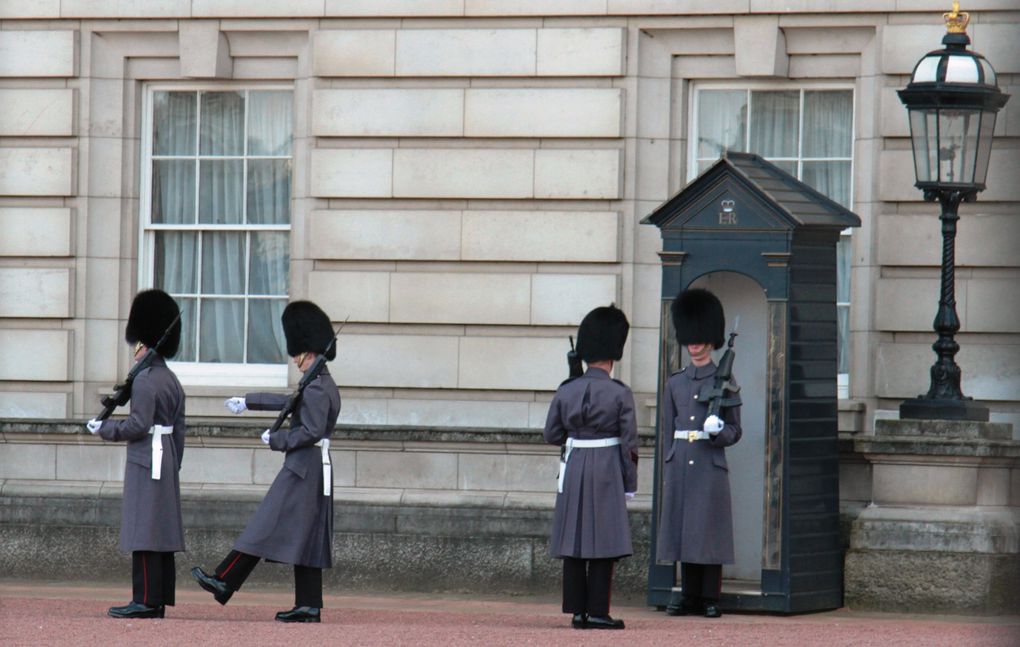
[922, 408]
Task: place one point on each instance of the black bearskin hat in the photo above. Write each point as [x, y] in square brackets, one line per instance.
[602, 334]
[698, 318]
[151, 314]
[307, 329]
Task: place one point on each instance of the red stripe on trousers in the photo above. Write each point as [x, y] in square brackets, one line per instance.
[145, 581]
[227, 569]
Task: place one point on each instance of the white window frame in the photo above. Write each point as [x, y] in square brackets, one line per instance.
[201, 373]
[842, 379]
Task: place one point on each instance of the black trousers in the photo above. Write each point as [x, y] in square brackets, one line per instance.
[153, 578]
[237, 566]
[587, 585]
[702, 583]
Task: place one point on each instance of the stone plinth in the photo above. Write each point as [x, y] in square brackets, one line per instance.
[942, 530]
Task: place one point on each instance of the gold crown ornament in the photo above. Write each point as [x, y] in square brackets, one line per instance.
[956, 20]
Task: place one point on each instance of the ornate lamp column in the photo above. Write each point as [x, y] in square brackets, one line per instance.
[952, 99]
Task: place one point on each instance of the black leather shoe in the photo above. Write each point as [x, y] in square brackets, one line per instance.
[299, 614]
[712, 611]
[136, 610]
[604, 622]
[679, 606]
[579, 621]
[213, 584]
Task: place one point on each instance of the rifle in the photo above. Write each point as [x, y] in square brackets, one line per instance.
[574, 361]
[313, 372]
[724, 380]
[122, 392]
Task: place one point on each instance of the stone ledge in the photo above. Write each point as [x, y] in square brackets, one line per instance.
[22, 430]
[956, 429]
[36, 489]
[934, 446]
[950, 529]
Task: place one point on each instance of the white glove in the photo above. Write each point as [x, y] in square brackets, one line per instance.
[236, 405]
[93, 426]
[713, 425]
[265, 436]
[629, 495]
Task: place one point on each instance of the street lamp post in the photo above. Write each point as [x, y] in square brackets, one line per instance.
[952, 99]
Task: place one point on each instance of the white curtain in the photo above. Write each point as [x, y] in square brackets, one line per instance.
[722, 122]
[774, 123]
[234, 264]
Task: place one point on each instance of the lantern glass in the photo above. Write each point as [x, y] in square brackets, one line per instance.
[957, 142]
[984, 146]
[924, 136]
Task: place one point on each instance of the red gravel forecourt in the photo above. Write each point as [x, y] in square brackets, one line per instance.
[53, 615]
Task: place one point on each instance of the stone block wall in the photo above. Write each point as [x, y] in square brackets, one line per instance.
[468, 179]
[414, 509]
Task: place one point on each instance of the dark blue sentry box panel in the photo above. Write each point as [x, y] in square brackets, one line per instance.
[746, 215]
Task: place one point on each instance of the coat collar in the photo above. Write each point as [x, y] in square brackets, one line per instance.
[700, 372]
[597, 373]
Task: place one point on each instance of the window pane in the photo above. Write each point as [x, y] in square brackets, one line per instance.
[173, 123]
[269, 192]
[222, 123]
[266, 344]
[830, 178]
[722, 120]
[220, 191]
[222, 331]
[270, 122]
[186, 352]
[270, 260]
[176, 262]
[173, 192]
[828, 124]
[774, 123]
[223, 263]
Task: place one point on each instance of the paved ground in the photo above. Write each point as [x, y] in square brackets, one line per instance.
[52, 615]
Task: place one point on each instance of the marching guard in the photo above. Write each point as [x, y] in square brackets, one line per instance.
[150, 528]
[696, 523]
[592, 417]
[294, 522]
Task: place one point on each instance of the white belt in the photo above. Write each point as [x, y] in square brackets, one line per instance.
[580, 443]
[691, 436]
[327, 467]
[158, 431]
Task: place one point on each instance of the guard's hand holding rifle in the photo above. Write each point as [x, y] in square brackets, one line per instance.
[724, 393]
[306, 379]
[122, 392]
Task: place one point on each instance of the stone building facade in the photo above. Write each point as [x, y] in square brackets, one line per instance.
[463, 180]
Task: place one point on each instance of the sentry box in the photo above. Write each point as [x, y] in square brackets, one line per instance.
[765, 244]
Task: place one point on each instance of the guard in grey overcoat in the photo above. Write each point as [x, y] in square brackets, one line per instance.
[696, 519]
[592, 416]
[294, 522]
[150, 527]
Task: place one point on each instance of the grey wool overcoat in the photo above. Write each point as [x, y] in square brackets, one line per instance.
[151, 512]
[590, 521]
[294, 522]
[696, 518]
